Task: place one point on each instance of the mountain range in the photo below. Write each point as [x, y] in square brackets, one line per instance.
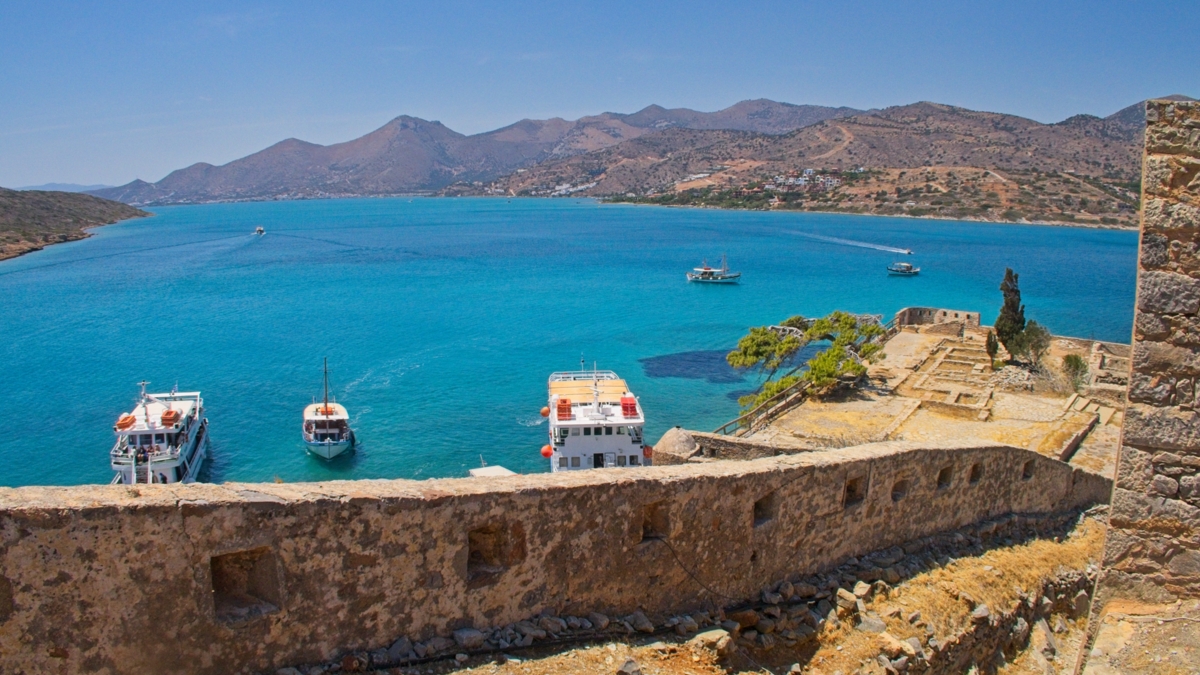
[901, 137]
[654, 148]
[410, 155]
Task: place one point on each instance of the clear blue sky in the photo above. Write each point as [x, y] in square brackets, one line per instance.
[106, 92]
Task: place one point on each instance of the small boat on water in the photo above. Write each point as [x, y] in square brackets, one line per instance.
[712, 275]
[594, 422]
[164, 439]
[326, 428]
[260, 231]
[903, 269]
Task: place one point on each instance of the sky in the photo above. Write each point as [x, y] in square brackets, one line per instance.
[105, 92]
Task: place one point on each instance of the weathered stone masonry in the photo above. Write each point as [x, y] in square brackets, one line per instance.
[243, 578]
[1152, 551]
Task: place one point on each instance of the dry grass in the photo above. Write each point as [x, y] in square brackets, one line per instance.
[995, 578]
[662, 660]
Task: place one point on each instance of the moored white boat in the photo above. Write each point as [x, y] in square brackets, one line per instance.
[903, 269]
[714, 275]
[326, 428]
[594, 422]
[163, 440]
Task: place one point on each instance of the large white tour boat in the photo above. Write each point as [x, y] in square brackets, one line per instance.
[326, 428]
[164, 439]
[595, 422]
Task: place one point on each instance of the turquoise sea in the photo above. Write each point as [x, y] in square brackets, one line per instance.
[442, 318]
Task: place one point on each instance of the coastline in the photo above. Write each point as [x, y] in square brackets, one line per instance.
[21, 248]
[1051, 223]
[605, 200]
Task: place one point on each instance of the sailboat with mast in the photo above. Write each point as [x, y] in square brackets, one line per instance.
[714, 275]
[326, 429]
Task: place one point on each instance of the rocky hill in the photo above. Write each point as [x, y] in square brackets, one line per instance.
[409, 155]
[32, 219]
[1094, 162]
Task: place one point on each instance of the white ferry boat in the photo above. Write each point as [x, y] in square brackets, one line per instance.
[326, 428]
[164, 439]
[595, 422]
[714, 275]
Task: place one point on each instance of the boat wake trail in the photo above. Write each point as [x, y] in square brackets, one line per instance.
[851, 242]
[531, 421]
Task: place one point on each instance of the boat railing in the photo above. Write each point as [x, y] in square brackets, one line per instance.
[123, 453]
[583, 375]
[766, 411]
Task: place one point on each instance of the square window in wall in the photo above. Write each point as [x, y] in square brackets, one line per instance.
[855, 492]
[765, 509]
[945, 477]
[575, 462]
[608, 431]
[562, 462]
[587, 431]
[633, 460]
[620, 460]
[245, 585]
[655, 521]
[575, 431]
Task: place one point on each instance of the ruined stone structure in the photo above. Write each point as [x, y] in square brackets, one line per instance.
[244, 578]
[923, 316]
[1153, 548]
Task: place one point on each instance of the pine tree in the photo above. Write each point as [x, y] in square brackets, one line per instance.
[992, 345]
[1011, 321]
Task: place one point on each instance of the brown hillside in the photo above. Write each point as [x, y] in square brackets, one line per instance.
[32, 219]
[904, 137]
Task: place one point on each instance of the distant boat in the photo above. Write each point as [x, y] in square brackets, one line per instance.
[259, 231]
[711, 275]
[903, 269]
[326, 429]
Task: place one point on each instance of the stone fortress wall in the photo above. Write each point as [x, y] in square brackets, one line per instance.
[250, 577]
[924, 316]
[1152, 551]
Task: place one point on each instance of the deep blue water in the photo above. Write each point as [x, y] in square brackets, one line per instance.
[442, 318]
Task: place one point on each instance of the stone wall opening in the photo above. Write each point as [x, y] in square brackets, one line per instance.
[765, 509]
[900, 490]
[491, 550]
[976, 473]
[945, 477]
[855, 492]
[656, 522]
[245, 585]
[1027, 470]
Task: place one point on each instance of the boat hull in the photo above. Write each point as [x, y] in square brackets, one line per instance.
[893, 273]
[701, 280]
[329, 449]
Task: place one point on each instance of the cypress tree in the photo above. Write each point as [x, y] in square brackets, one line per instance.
[1011, 321]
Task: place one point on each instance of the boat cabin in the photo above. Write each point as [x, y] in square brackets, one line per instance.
[595, 422]
[161, 440]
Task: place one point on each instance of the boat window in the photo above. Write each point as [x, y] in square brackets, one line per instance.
[608, 431]
[160, 439]
[562, 462]
[598, 432]
[587, 431]
[575, 462]
[620, 460]
[621, 431]
[145, 440]
[575, 431]
[633, 460]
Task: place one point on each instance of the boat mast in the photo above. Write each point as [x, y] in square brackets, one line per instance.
[326, 409]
